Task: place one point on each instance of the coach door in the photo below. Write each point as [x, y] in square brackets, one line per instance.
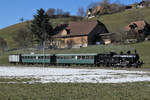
[53, 59]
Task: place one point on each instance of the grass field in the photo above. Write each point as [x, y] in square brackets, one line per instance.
[55, 91]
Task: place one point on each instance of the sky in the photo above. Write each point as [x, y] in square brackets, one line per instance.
[12, 10]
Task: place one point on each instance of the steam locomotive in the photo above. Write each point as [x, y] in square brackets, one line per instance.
[111, 59]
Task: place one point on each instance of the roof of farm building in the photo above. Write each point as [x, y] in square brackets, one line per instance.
[79, 28]
[83, 27]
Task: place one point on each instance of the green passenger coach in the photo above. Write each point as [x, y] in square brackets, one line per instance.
[36, 58]
[75, 58]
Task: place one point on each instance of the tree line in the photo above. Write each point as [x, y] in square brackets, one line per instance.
[53, 13]
[108, 8]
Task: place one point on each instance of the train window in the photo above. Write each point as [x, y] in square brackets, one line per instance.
[65, 57]
[62, 57]
[83, 57]
[73, 57]
[92, 57]
[87, 57]
[76, 57]
[45, 57]
[70, 57]
[79, 57]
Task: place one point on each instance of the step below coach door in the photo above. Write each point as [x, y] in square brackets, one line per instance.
[53, 59]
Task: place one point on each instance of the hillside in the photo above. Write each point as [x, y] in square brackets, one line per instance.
[9, 32]
[114, 23]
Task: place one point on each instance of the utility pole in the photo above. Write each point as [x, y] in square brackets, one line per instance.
[44, 53]
[44, 39]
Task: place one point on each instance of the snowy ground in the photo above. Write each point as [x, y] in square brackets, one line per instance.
[68, 75]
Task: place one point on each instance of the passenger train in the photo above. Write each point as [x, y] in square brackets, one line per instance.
[111, 59]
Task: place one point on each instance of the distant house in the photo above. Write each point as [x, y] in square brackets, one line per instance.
[139, 28]
[94, 11]
[80, 34]
[141, 4]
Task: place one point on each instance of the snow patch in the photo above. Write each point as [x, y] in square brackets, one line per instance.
[69, 75]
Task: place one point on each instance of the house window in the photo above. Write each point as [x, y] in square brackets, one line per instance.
[140, 31]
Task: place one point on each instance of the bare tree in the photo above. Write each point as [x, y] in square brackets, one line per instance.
[59, 12]
[81, 12]
[50, 12]
[67, 14]
[107, 7]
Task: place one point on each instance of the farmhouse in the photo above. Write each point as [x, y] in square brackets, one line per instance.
[140, 28]
[80, 34]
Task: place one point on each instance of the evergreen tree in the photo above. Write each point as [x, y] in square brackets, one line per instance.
[41, 26]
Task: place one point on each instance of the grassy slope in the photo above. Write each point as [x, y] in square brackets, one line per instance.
[113, 22]
[11, 31]
[118, 21]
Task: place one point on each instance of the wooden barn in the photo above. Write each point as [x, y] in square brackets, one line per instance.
[80, 34]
